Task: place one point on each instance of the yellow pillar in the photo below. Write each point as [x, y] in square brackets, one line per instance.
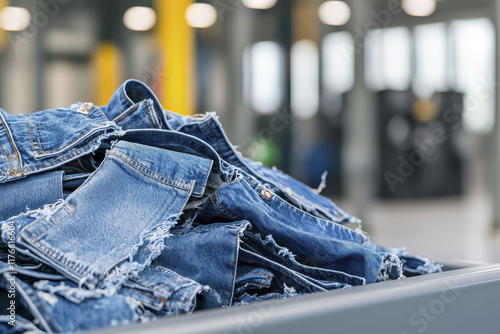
[107, 72]
[3, 33]
[176, 41]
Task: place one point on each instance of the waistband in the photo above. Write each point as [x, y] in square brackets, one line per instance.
[47, 139]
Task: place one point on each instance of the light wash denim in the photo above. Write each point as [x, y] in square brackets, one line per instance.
[130, 202]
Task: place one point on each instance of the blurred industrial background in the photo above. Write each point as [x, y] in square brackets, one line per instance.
[396, 99]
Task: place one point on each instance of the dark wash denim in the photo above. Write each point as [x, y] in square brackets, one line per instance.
[208, 255]
[138, 200]
[329, 245]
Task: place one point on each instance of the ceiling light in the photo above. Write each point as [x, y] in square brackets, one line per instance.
[201, 15]
[139, 18]
[334, 13]
[419, 7]
[14, 18]
[259, 4]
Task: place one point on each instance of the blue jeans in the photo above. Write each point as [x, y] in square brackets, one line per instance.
[138, 200]
[163, 218]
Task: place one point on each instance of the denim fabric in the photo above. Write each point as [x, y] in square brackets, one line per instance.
[210, 130]
[138, 200]
[208, 255]
[57, 314]
[329, 245]
[51, 299]
[142, 213]
[325, 278]
[135, 106]
[163, 291]
[21, 325]
[31, 193]
[411, 265]
[45, 140]
[127, 101]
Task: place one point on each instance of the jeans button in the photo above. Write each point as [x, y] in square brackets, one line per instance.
[266, 194]
[85, 108]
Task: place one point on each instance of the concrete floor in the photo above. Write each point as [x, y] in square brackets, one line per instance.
[452, 228]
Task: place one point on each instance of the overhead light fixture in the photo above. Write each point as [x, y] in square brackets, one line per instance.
[419, 7]
[14, 18]
[334, 13]
[201, 15]
[259, 4]
[139, 18]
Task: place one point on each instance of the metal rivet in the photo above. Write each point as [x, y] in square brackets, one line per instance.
[266, 194]
[85, 108]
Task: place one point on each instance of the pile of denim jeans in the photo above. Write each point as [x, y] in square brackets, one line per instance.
[128, 213]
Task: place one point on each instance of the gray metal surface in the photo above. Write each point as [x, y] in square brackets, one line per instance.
[457, 301]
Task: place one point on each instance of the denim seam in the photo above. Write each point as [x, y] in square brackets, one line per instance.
[224, 208]
[233, 276]
[39, 303]
[68, 215]
[228, 147]
[196, 143]
[38, 137]
[294, 276]
[257, 284]
[207, 124]
[63, 261]
[6, 156]
[176, 184]
[148, 294]
[266, 278]
[31, 137]
[252, 275]
[10, 139]
[92, 130]
[336, 225]
[76, 153]
[220, 210]
[206, 228]
[205, 147]
[150, 285]
[125, 113]
[151, 118]
[205, 177]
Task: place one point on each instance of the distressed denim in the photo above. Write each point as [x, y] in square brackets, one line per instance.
[143, 214]
[411, 265]
[210, 130]
[207, 254]
[59, 305]
[126, 108]
[139, 200]
[327, 244]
